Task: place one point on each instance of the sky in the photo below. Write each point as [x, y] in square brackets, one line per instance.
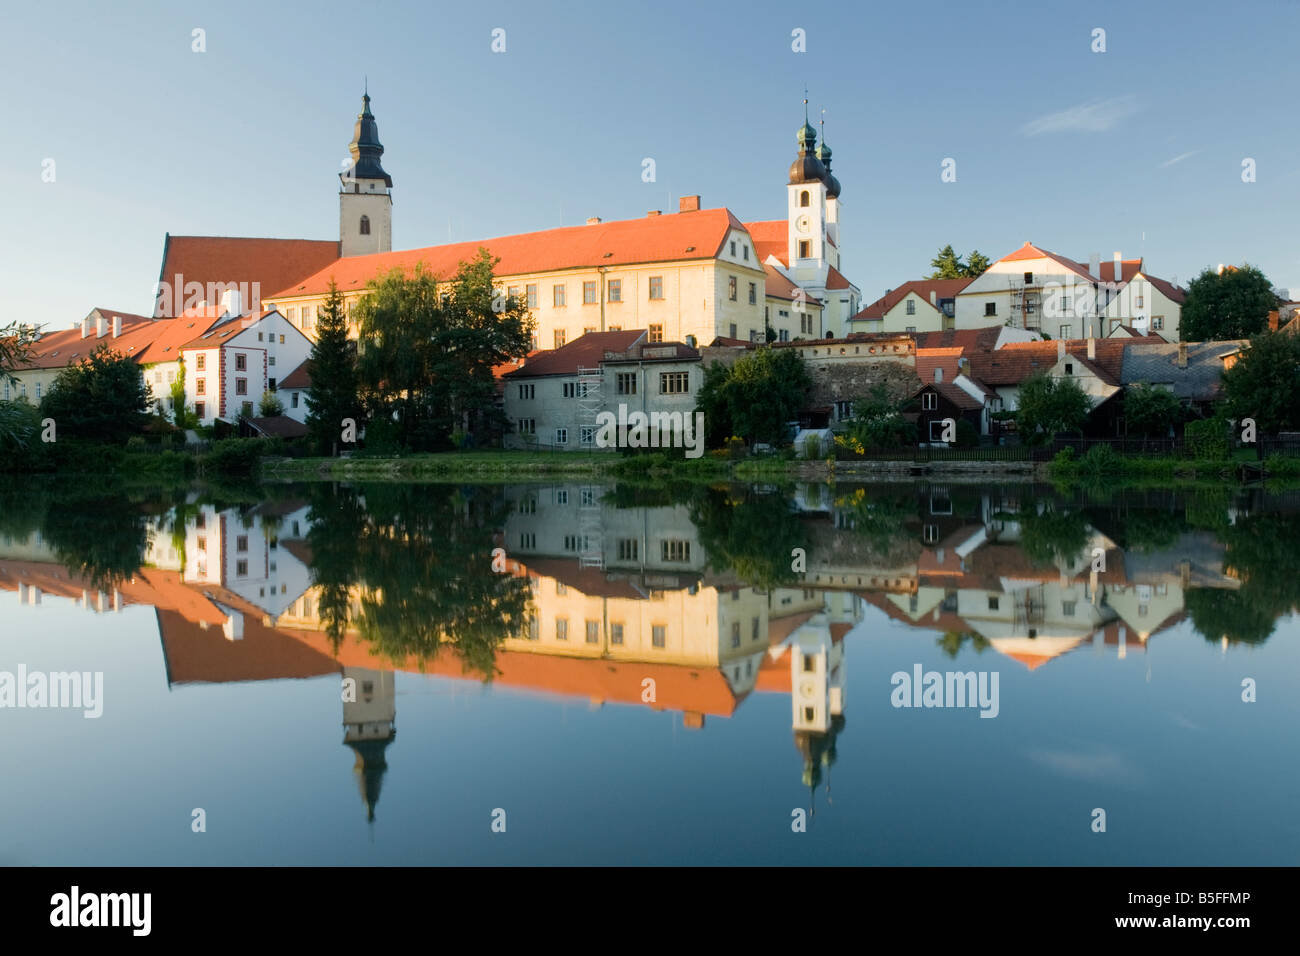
[1138, 149]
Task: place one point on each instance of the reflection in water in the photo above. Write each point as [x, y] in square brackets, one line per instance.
[687, 602]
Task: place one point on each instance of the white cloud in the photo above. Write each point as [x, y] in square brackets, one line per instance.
[1095, 117]
[1178, 159]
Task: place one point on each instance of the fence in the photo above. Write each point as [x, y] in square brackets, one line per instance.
[1286, 444]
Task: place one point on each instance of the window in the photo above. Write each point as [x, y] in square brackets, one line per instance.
[616, 633]
[805, 249]
[589, 293]
[570, 544]
[674, 383]
[557, 295]
[910, 328]
[745, 250]
[753, 293]
[241, 363]
[783, 335]
[615, 289]
[1139, 302]
[929, 401]
[241, 542]
[657, 635]
[732, 330]
[587, 435]
[562, 496]
[993, 603]
[201, 362]
[308, 316]
[281, 339]
[1157, 322]
[531, 291]
[528, 540]
[629, 549]
[559, 338]
[201, 409]
[293, 400]
[561, 629]
[656, 333]
[528, 426]
[200, 386]
[675, 550]
[270, 384]
[1029, 278]
[512, 292]
[246, 409]
[990, 308]
[527, 505]
[365, 225]
[241, 386]
[1065, 305]
[656, 287]
[291, 315]
[1069, 368]
[260, 337]
[753, 629]
[270, 360]
[735, 634]
[803, 198]
[911, 307]
[733, 248]
[561, 436]
[731, 288]
[930, 533]
[1068, 608]
[625, 383]
[587, 497]
[593, 632]
[527, 391]
[241, 569]
[843, 411]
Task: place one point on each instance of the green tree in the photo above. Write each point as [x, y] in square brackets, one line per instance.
[977, 264]
[270, 405]
[16, 342]
[947, 265]
[332, 397]
[750, 534]
[878, 421]
[1049, 405]
[1149, 410]
[1233, 304]
[1264, 384]
[756, 397]
[427, 348]
[103, 397]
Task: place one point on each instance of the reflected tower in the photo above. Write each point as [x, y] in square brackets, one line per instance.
[369, 726]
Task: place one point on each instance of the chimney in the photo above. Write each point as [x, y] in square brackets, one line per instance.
[593, 220]
[117, 326]
[934, 298]
[1119, 268]
[1094, 266]
[1220, 272]
[1092, 349]
[938, 373]
[1182, 355]
[688, 204]
[1273, 320]
[230, 302]
[963, 365]
[85, 327]
[654, 212]
[101, 327]
[1060, 349]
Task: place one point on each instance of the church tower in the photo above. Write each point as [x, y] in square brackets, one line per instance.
[806, 229]
[365, 193]
[832, 201]
[369, 726]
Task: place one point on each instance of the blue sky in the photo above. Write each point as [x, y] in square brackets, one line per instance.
[1080, 152]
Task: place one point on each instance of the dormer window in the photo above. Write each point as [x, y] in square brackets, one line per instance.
[803, 198]
[365, 225]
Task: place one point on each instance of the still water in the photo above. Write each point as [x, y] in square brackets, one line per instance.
[572, 674]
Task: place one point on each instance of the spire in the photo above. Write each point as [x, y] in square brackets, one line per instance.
[824, 154]
[365, 147]
[806, 167]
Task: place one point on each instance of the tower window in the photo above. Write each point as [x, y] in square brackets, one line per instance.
[804, 248]
[803, 198]
[365, 225]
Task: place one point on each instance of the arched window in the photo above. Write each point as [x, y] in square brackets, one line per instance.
[365, 225]
[803, 198]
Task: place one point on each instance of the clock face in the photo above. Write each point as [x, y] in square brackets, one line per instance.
[803, 224]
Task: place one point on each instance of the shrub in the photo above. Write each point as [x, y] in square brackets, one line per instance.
[1207, 439]
[967, 434]
[1102, 460]
[812, 447]
[238, 456]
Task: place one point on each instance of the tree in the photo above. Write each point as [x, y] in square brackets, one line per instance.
[103, 397]
[948, 265]
[16, 341]
[756, 397]
[1149, 410]
[1264, 384]
[427, 348]
[1049, 405]
[878, 421]
[332, 397]
[270, 405]
[1233, 304]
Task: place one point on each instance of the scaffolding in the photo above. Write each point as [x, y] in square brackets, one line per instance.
[590, 401]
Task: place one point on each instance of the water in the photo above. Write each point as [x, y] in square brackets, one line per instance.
[701, 702]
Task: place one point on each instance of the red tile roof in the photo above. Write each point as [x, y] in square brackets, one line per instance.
[771, 238]
[779, 287]
[968, 339]
[676, 237]
[1169, 290]
[1128, 267]
[586, 351]
[265, 264]
[1017, 361]
[835, 279]
[942, 288]
[146, 341]
[299, 377]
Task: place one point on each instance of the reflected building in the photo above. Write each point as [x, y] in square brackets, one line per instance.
[369, 726]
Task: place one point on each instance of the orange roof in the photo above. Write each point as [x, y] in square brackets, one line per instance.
[835, 279]
[942, 288]
[676, 237]
[270, 264]
[1128, 267]
[771, 238]
[779, 287]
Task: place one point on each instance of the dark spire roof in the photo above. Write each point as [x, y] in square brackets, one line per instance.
[824, 154]
[369, 768]
[366, 148]
[806, 168]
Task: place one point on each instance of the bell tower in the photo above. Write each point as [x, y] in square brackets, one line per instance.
[806, 189]
[365, 192]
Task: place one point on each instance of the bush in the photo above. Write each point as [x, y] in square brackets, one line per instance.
[238, 456]
[1102, 460]
[812, 447]
[968, 435]
[1207, 439]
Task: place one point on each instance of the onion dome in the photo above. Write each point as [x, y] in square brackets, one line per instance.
[366, 148]
[832, 184]
[806, 168]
